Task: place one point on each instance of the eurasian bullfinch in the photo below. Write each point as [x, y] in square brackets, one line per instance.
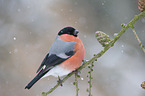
[65, 55]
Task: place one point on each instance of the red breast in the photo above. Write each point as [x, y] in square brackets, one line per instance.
[75, 61]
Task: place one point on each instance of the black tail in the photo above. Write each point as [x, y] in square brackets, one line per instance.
[38, 76]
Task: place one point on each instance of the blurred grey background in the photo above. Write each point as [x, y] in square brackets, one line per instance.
[29, 27]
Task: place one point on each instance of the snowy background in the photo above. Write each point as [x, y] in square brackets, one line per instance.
[29, 27]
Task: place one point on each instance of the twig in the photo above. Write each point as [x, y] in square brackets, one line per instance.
[140, 43]
[89, 90]
[76, 83]
[136, 18]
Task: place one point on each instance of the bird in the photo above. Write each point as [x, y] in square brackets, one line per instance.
[64, 56]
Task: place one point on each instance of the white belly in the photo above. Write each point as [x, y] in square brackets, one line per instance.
[57, 71]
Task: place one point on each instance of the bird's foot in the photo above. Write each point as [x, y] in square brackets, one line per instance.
[77, 71]
[59, 81]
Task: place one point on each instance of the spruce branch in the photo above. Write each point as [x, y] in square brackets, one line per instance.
[96, 56]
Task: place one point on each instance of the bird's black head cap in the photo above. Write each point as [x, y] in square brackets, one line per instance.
[68, 30]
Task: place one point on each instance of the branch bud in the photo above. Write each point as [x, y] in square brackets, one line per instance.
[143, 85]
[102, 38]
[141, 5]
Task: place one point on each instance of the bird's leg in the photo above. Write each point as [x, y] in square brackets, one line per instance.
[59, 81]
[77, 71]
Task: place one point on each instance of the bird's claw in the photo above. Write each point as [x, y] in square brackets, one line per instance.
[59, 81]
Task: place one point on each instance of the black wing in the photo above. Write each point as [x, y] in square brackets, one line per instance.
[49, 62]
[42, 64]
[53, 60]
